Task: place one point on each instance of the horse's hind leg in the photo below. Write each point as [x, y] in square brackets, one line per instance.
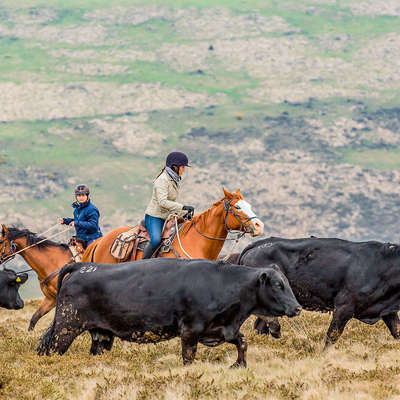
[46, 305]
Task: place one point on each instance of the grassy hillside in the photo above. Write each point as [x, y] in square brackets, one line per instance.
[363, 365]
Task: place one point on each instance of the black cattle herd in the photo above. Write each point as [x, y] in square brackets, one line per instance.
[206, 302]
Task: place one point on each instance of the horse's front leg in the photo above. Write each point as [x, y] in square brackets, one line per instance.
[46, 305]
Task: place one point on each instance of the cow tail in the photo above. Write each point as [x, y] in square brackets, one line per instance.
[47, 339]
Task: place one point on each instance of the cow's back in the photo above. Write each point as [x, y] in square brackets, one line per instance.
[318, 268]
[152, 292]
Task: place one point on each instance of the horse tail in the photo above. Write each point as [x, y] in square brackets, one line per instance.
[46, 341]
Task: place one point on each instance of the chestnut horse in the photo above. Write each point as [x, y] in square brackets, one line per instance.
[201, 237]
[45, 257]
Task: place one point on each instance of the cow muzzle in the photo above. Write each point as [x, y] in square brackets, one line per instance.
[257, 227]
[294, 312]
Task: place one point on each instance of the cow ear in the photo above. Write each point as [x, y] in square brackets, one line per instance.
[263, 278]
[275, 267]
[227, 194]
[4, 232]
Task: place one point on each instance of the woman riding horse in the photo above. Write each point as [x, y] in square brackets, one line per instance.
[163, 201]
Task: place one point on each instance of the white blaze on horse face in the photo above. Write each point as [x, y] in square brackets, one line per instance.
[245, 208]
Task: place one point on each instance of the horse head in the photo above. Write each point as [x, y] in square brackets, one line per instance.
[239, 215]
[7, 247]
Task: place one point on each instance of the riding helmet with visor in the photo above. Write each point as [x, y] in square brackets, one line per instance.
[82, 189]
[177, 158]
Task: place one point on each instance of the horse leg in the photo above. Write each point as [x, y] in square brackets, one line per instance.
[46, 305]
[241, 346]
[341, 316]
[393, 323]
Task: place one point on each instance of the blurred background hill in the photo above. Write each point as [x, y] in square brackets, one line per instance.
[296, 102]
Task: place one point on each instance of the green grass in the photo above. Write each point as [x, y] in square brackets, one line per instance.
[379, 159]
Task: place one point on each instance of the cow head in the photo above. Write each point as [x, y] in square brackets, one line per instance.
[239, 215]
[9, 285]
[275, 297]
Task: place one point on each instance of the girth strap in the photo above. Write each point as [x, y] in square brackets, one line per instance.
[50, 277]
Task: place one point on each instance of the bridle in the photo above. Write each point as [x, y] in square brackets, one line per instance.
[229, 209]
[12, 251]
[5, 257]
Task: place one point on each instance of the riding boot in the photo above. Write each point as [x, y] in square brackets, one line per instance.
[148, 251]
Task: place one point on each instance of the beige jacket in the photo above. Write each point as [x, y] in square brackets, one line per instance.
[163, 201]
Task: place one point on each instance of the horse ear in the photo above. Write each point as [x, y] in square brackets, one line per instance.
[238, 194]
[228, 195]
[4, 231]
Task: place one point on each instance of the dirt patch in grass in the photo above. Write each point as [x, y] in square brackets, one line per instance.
[93, 69]
[93, 34]
[214, 23]
[32, 101]
[133, 15]
[374, 8]
[129, 134]
[110, 55]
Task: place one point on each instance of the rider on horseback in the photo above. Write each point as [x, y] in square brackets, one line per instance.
[163, 201]
[86, 217]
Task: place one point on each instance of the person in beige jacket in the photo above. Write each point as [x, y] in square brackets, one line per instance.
[163, 201]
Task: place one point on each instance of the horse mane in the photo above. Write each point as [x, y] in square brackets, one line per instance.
[32, 238]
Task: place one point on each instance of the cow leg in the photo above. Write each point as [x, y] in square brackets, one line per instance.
[45, 306]
[266, 326]
[189, 342]
[63, 337]
[341, 316]
[101, 340]
[241, 346]
[393, 323]
[261, 327]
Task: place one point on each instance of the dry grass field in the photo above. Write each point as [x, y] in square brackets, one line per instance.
[363, 365]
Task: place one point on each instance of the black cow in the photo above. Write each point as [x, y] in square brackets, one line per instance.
[354, 280]
[9, 285]
[159, 299]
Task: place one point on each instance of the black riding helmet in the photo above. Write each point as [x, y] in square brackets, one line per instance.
[82, 189]
[177, 158]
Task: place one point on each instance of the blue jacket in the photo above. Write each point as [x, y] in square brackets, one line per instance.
[86, 221]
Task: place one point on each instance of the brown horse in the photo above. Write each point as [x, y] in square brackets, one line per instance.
[44, 257]
[201, 237]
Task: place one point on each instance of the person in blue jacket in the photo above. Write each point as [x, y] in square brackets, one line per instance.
[86, 217]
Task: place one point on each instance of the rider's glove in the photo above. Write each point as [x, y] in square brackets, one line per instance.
[189, 209]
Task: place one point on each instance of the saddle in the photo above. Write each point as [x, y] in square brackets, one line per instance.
[126, 244]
